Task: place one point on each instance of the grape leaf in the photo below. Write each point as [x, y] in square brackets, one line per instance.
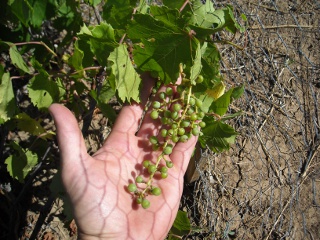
[8, 106]
[181, 225]
[220, 105]
[76, 59]
[163, 47]
[22, 10]
[38, 12]
[101, 40]
[126, 79]
[26, 123]
[217, 135]
[43, 91]
[177, 4]
[17, 59]
[21, 163]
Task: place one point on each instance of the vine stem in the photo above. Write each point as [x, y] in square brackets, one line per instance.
[183, 5]
[37, 43]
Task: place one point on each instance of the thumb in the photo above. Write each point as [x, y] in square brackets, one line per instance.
[70, 139]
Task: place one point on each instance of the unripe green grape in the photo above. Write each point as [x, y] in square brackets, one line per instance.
[156, 191]
[175, 139]
[139, 179]
[193, 117]
[164, 132]
[170, 132]
[185, 123]
[162, 95]
[132, 187]
[174, 115]
[192, 101]
[201, 115]
[139, 200]
[190, 111]
[163, 169]
[156, 104]
[195, 131]
[198, 103]
[177, 107]
[145, 203]
[180, 89]
[164, 175]
[164, 120]
[154, 114]
[183, 138]
[154, 90]
[153, 140]
[146, 163]
[155, 147]
[202, 124]
[181, 131]
[199, 79]
[174, 126]
[152, 168]
[167, 114]
[169, 164]
[167, 150]
[169, 91]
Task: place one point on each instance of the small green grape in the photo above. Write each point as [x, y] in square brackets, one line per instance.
[169, 91]
[153, 140]
[180, 89]
[183, 138]
[177, 107]
[181, 131]
[139, 179]
[139, 200]
[167, 150]
[164, 132]
[174, 115]
[155, 147]
[195, 131]
[190, 111]
[154, 114]
[163, 169]
[167, 114]
[169, 164]
[202, 124]
[145, 203]
[193, 117]
[175, 139]
[199, 79]
[170, 132]
[185, 123]
[156, 104]
[164, 120]
[146, 163]
[198, 103]
[162, 95]
[174, 126]
[164, 175]
[132, 187]
[192, 101]
[201, 115]
[152, 168]
[156, 191]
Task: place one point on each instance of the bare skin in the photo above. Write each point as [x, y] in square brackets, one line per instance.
[103, 207]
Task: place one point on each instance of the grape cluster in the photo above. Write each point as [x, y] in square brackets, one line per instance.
[181, 116]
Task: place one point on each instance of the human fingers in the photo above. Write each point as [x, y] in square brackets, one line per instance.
[70, 139]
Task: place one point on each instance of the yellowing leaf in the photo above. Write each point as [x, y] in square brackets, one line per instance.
[217, 91]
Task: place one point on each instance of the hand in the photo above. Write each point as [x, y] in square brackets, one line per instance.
[97, 185]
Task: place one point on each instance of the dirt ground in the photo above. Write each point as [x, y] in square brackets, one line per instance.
[267, 186]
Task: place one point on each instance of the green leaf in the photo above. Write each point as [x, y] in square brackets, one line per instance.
[17, 59]
[101, 40]
[26, 123]
[38, 12]
[22, 10]
[220, 106]
[217, 135]
[177, 4]
[93, 3]
[163, 47]
[76, 59]
[21, 163]
[127, 81]
[181, 225]
[237, 92]
[8, 105]
[43, 91]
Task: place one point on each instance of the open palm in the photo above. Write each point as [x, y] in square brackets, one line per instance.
[97, 185]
